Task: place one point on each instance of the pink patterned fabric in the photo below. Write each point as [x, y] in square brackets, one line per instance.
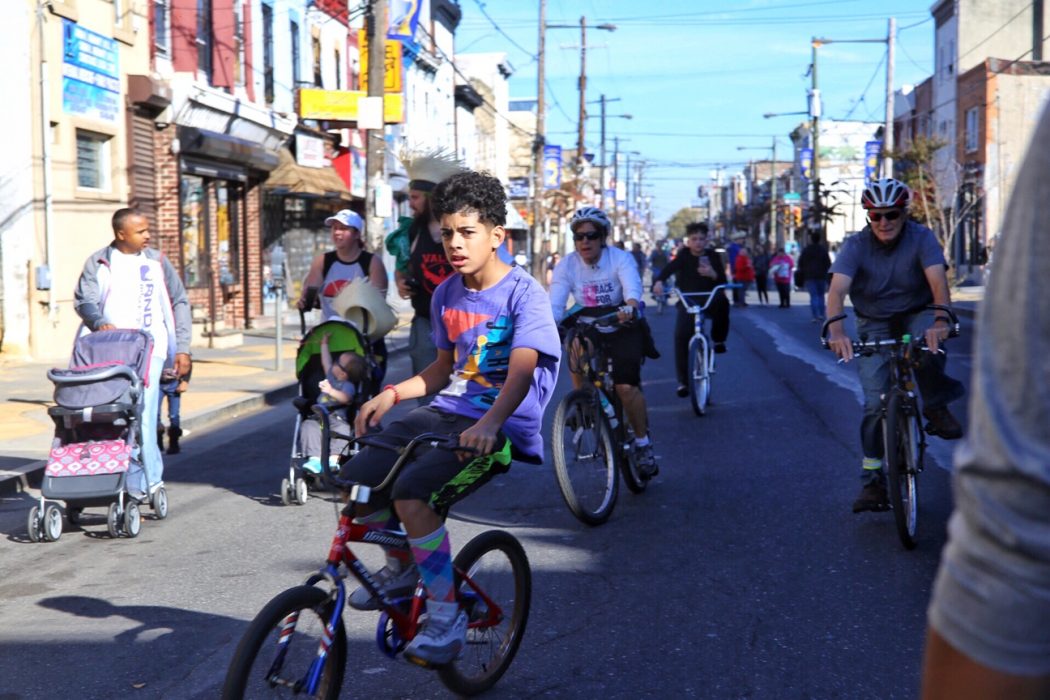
[89, 458]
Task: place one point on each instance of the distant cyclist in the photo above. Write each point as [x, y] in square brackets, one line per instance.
[600, 276]
[892, 270]
[697, 268]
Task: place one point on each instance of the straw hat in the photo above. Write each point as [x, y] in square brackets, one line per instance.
[426, 169]
[364, 306]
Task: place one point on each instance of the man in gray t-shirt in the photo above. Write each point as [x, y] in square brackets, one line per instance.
[892, 270]
[990, 613]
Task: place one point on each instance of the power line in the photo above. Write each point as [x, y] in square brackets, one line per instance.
[508, 37]
[867, 87]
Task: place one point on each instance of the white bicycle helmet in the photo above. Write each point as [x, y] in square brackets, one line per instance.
[593, 214]
[884, 194]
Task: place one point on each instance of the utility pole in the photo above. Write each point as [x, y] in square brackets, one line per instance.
[375, 30]
[616, 186]
[538, 185]
[814, 110]
[773, 197]
[887, 137]
[601, 169]
[583, 110]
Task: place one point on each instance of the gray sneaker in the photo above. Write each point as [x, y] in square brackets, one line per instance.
[646, 461]
[439, 641]
[394, 585]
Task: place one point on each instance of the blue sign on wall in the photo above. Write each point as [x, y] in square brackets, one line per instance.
[872, 150]
[551, 167]
[404, 19]
[90, 73]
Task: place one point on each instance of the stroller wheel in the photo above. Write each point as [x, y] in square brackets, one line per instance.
[52, 523]
[132, 520]
[286, 491]
[301, 492]
[73, 515]
[33, 524]
[113, 521]
[159, 503]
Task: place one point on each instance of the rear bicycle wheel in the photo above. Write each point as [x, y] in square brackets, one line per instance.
[900, 431]
[699, 376]
[584, 457]
[496, 563]
[279, 650]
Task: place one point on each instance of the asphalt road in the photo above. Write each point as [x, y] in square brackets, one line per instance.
[740, 573]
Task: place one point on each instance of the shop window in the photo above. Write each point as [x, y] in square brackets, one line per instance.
[227, 218]
[93, 160]
[194, 230]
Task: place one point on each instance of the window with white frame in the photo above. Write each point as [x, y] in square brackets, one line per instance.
[239, 43]
[972, 122]
[93, 160]
[162, 27]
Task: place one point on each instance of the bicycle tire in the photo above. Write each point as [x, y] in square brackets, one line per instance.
[632, 475]
[901, 443]
[699, 377]
[251, 670]
[589, 485]
[496, 562]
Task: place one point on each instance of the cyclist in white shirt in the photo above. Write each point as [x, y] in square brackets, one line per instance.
[601, 278]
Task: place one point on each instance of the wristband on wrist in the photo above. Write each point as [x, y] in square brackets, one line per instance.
[397, 396]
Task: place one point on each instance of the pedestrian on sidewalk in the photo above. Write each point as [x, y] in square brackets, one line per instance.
[761, 262]
[127, 284]
[743, 274]
[781, 266]
[814, 264]
[416, 244]
[172, 387]
[332, 271]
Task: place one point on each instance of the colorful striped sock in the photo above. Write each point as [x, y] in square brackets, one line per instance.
[433, 555]
[871, 464]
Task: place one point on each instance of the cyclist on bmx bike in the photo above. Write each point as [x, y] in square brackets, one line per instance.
[601, 277]
[892, 270]
[497, 341]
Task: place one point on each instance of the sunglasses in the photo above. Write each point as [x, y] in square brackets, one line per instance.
[889, 216]
[589, 235]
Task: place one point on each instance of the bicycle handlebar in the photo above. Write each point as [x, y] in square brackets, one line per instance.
[696, 308]
[860, 346]
[436, 440]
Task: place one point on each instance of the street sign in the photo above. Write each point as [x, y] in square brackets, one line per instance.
[792, 197]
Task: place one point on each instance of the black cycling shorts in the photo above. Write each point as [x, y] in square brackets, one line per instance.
[626, 347]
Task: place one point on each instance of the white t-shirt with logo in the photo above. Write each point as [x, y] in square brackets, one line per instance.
[609, 282]
[137, 297]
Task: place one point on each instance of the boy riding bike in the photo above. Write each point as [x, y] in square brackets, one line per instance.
[892, 270]
[498, 345]
[598, 275]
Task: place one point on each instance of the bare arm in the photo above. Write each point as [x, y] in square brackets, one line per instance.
[937, 278]
[377, 274]
[838, 341]
[313, 279]
[433, 377]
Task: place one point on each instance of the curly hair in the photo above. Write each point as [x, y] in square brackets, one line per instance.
[471, 192]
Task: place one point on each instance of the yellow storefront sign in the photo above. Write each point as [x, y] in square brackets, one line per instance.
[391, 59]
[342, 105]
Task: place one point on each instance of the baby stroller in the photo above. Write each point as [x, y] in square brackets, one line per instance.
[345, 337]
[98, 436]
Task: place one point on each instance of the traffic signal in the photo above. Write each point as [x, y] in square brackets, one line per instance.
[796, 213]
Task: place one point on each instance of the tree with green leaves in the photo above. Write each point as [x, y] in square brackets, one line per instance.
[681, 218]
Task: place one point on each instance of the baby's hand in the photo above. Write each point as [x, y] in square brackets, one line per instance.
[325, 386]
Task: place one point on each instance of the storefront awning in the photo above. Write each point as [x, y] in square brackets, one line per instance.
[291, 178]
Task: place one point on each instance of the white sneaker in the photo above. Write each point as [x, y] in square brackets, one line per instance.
[441, 639]
[394, 584]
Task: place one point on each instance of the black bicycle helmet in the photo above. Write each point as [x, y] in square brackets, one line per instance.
[593, 214]
[885, 193]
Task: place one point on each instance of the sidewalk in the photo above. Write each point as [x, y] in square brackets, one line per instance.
[226, 383]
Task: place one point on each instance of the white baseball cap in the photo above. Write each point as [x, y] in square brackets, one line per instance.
[347, 217]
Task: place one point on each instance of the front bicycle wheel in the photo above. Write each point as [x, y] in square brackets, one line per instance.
[584, 457]
[699, 376]
[278, 654]
[901, 432]
[496, 599]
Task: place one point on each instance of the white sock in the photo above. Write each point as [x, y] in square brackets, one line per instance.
[642, 441]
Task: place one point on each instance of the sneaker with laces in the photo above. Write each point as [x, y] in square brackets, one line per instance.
[682, 391]
[394, 584]
[646, 461]
[441, 639]
[312, 466]
[942, 423]
[872, 498]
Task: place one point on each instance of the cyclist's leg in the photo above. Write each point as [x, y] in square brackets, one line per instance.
[935, 386]
[625, 347]
[874, 371]
[718, 312]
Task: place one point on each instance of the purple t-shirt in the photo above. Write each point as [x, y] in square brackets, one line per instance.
[481, 329]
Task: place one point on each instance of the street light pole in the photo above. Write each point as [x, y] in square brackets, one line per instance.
[583, 108]
[887, 137]
[601, 171]
[814, 110]
[538, 185]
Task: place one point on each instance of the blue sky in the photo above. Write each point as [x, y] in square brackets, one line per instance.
[697, 75]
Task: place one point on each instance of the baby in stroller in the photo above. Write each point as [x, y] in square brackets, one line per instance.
[96, 455]
[336, 369]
